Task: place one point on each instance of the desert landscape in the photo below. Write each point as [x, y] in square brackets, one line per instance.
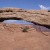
[34, 36]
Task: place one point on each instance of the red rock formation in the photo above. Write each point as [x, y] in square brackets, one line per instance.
[12, 36]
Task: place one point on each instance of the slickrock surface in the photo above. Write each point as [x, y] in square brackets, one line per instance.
[12, 36]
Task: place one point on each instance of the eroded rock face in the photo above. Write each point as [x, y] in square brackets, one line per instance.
[38, 16]
[12, 36]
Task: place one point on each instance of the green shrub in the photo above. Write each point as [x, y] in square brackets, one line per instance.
[1, 11]
[9, 10]
[48, 10]
[25, 29]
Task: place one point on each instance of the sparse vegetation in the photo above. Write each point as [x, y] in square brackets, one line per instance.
[36, 13]
[7, 10]
[1, 11]
[25, 29]
[48, 10]
[42, 14]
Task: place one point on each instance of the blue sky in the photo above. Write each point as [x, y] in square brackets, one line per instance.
[26, 4]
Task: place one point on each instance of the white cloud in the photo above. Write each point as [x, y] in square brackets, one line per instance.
[43, 7]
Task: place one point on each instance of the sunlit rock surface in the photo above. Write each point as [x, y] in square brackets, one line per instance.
[12, 36]
[39, 16]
